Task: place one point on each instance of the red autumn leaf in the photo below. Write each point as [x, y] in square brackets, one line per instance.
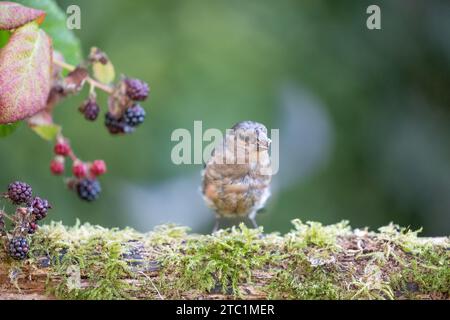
[25, 73]
[14, 15]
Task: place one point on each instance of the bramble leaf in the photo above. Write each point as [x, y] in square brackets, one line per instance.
[4, 37]
[104, 73]
[47, 132]
[8, 129]
[42, 124]
[25, 73]
[14, 15]
[64, 40]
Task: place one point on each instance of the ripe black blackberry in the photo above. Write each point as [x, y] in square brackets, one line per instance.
[134, 116]
[90, 109]
[40, 208]
[19, 192]
[18, 248]
[114, 125]
[117, 126]
[89, 189]
[136, 89]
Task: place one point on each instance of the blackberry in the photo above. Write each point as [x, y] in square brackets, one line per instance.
[136, 89]
[134, 116]
[19, 192]
[18, 248]
[32, 227]
[57, 166]
[90, 110]
[98, 168]
[117, 126]
[79, 169]
[40, 208]
[62, 148]
[89, 189]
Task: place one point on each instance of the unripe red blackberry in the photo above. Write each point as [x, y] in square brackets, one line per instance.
[117, 126]
[98, 168]
[79, 169]
[90, 109]
[57, 166]
[19, 192]
[137, 90]
[89, 189]
[62, 148]
[39, 208]
[134, 116]
[32, 227]
[18, 248]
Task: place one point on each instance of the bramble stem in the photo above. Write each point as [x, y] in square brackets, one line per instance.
[4, 214]
[92, 82]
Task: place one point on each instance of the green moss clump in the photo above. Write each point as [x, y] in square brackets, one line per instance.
[223, 260]
[404, 238]
[302, 280]
[315, 234]
[165, 235]
[427, 273]
[85, 255]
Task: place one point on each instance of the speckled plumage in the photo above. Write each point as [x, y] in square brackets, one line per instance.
[237, 184]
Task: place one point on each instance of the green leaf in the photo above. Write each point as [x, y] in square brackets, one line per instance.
[48, 132]
[7, 129]
[25, 73]
[4, 37]
[104, 73]
[64, 40]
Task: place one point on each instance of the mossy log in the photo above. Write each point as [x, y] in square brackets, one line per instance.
[310, 262]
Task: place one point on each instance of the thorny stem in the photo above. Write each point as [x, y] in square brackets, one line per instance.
[92, 82]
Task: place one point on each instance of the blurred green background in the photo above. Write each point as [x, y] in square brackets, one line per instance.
[364, 115]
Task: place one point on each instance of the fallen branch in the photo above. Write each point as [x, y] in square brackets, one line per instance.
[311, 262]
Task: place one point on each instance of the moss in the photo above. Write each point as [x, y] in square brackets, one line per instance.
[220, 261]
[372, 285]
[310, 262]
[405, 238]
[303, 280]
[426, 273]
[90, 252]
[165, 235]
[315, 234]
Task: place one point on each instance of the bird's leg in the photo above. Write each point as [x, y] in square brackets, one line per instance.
[253, 222]
[252, 218]
[216, 226]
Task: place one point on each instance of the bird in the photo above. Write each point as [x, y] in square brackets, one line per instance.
[236, 179]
